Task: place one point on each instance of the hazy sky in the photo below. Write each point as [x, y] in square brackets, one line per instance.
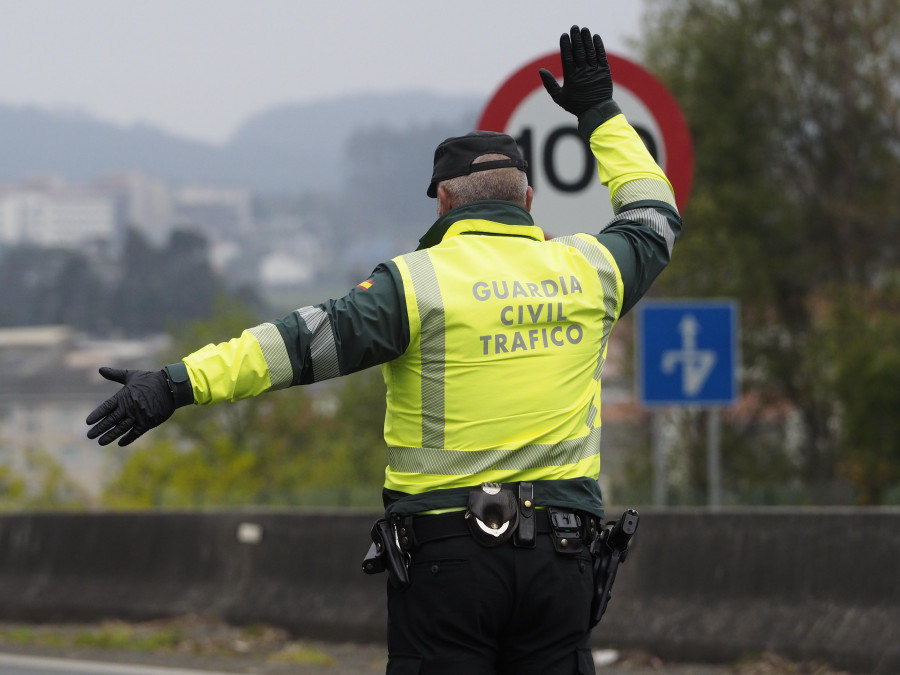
[201, 67]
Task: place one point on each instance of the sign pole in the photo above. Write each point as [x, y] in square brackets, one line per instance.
[714, 457]
[659, 459]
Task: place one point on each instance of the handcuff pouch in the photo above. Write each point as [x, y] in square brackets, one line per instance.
[492, 514]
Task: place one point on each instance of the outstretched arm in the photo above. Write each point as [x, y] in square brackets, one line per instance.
[646, 224]
[366, 327]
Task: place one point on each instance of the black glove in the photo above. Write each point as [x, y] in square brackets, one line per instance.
[146, 401]
[587, 81]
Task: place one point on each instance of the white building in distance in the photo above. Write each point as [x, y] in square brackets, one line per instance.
[52, 214]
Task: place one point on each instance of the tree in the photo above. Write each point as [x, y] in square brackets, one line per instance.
[40, 286]
[867, 379]
[156, 286]
[42, 483]
[12, 487]
[795, 117]
[359, 448]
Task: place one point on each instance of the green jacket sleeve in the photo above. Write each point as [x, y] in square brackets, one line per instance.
[366, 327]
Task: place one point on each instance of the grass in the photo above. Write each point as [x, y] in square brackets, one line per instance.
[302, 654]
[194, 636]
[107, 635]
[119, 635]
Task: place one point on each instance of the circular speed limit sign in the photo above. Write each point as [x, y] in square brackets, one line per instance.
[568, 197]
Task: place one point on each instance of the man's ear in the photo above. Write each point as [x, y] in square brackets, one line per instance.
[443, 200]
[529, 197]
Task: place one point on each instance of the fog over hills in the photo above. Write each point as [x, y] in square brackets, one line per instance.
[290, 148]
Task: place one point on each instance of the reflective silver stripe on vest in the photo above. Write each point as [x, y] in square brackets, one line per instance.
[322, 347]
[640, 190]
[444, 462]
[432, 346]
[275, 353]
[606, 273]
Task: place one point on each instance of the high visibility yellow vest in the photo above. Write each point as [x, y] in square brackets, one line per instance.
[501, 379]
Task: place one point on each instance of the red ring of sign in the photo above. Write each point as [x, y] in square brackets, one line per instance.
[651, 92]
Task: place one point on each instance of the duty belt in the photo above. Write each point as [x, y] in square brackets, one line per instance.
[570, 530]
[494, 516]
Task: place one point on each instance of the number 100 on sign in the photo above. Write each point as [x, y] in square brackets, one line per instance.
[561, 168]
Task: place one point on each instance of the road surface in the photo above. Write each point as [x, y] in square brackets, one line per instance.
[356, 660]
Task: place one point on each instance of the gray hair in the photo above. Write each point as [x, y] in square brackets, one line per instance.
[509, 184]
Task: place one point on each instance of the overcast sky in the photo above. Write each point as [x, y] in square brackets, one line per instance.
[200, 67]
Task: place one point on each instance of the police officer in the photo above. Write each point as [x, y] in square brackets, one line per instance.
[492, 341]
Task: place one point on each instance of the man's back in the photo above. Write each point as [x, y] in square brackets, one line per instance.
[508, 336]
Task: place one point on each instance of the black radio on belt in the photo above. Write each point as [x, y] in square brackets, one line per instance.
[567, 531]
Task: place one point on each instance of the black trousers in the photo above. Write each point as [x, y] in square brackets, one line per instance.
[473, 610]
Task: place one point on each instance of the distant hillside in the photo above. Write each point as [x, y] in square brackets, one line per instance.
[80, 147]
[286, 149]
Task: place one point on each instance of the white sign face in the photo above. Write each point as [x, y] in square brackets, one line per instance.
[568, 196]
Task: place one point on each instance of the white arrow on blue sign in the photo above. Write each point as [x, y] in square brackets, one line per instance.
[687, 353]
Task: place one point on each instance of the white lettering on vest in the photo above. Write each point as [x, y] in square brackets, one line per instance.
[546, 288]
[535, 338]
[549, 312]
[530, 314]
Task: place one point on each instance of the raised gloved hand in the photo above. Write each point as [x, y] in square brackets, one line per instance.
[587, 81]
[145, 401]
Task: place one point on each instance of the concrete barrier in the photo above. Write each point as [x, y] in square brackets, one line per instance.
[698, 585]
[303, 572]
[805, 583]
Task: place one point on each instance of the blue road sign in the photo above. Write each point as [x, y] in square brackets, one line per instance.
[687, 352]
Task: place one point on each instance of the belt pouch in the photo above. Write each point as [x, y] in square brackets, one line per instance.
[525, 533]
[492, 514]
[566, 527]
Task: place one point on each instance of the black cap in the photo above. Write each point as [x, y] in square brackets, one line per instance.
[454, 156]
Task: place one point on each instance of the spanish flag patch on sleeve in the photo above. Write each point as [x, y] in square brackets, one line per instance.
[366, 285]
